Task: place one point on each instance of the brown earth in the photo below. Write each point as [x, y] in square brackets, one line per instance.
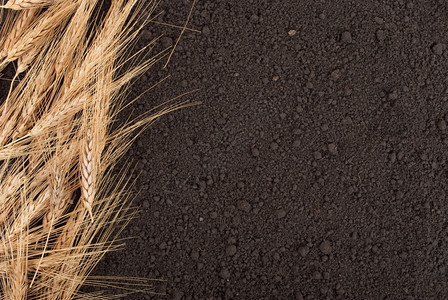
[316, 166]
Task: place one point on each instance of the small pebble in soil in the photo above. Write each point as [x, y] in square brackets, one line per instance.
[438, 48]
[243, 205]
[280, 213]
[336, 74]
[255, 152]
[304, 250]
[333, 148]
[225, 274]
[379, 20]
[346, 37]
[380, 35]
[299, 295]
[325, 247]
[231, 250]
[317, 275]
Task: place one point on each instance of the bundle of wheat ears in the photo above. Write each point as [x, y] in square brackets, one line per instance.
[60, 197]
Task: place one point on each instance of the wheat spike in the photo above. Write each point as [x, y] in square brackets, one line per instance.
[87, 165]
[34, 102]
[32, 39]
[27, 4]
[44, 27]
[23, 21]
[9, 189]
[39, 206]
[6, 131]
[73, 36]
[68, 232]
[58, 196]
[57, 116]
[26, 59]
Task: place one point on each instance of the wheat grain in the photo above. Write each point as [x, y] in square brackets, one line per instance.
[26, 121]
[7, 129]
[27, 4]
[38, 207]
[68, 233]
[11, 185]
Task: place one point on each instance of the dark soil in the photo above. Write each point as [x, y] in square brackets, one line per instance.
[316, 165]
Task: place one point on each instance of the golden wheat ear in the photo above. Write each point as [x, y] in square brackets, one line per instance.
[43, 30]
[88, 166]
[26, 4]
[20, 25]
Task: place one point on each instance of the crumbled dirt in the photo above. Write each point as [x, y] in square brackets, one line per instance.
[316, 165]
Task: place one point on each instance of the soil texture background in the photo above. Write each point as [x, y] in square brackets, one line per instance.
[316, 165]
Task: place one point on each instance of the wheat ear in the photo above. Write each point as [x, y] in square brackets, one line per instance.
[73, 36]
[58, 197]
[45, 27]
[29, 113]
[23, 21]
[26, 4]
[26, 59]
[9, 189]
[87, 164]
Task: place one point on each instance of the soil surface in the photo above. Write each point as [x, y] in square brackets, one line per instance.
[316, 165]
